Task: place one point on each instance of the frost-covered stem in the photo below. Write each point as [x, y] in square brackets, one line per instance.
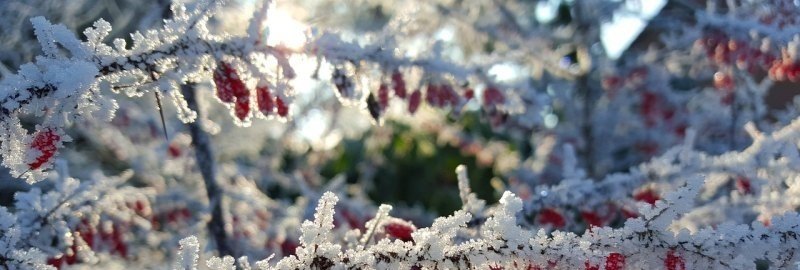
[204, 156]
[586, 126]
[732, 128]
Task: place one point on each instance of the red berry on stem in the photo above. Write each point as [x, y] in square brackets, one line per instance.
[592, 218]
[674, 262]
[399, 85]
[432, 95]
[227, 81]
[242, 108]
[469, 93]
[552, 217]
[288, 247]
[649, 107]
[627, 213]
[414, 101]
[448, 96]
[399, 230]
[282, 108]
[611, 82]
[383, 96]
[743, 185]
[492, 96]
[173, 150]
[723, 81]
[45, 142]
[646, 195]
[615, 261]
[264, 100]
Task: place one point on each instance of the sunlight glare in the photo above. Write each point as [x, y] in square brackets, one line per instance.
[284, 30]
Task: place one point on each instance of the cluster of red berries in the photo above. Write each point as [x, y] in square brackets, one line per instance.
[45, 141]
[725, 51]
[231, 89]
[111, 241]
[634, 78]
[436, 94]
[653, 107]
[787, 69]
[555, 219]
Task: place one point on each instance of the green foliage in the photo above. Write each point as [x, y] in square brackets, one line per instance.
[414, 170]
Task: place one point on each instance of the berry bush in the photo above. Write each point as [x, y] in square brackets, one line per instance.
[399, 135]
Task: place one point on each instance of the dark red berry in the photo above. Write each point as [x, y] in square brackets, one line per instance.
[414, 101]
[282, 108]
[615, 261]
[646, 195]
[399, 85]
[399, 230]
[45, 142]
[552, 217]
[228, 83]
[674, 261]
[265, 103]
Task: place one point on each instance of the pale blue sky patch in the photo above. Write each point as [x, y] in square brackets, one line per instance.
[617, 35]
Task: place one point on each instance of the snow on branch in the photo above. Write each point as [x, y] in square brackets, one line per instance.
[680, 161]
[642, 243]
[75, 79]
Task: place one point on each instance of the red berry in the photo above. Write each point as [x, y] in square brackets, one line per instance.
[414, 101]
[142, 208]
[448, 96]
[646, 195]
[469, 93]
[723, 81]
[173, 150]
[611, 82]
[615, 261]
[743, 185]
[552, 217]
[592, 218]
[492, 96]
[589, 266]
[432, 95]
[627, 213]
[400, 230]
[399, 85]
[649, 107]
[45, 142]
[283, 109]
[264, 100]
[288, 247]
[674, 262]
[383, 96]
[242, 108]
[228, 83]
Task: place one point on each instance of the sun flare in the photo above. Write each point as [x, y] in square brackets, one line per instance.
[284, 30]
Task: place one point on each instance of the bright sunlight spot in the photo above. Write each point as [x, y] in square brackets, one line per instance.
[285, 30]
